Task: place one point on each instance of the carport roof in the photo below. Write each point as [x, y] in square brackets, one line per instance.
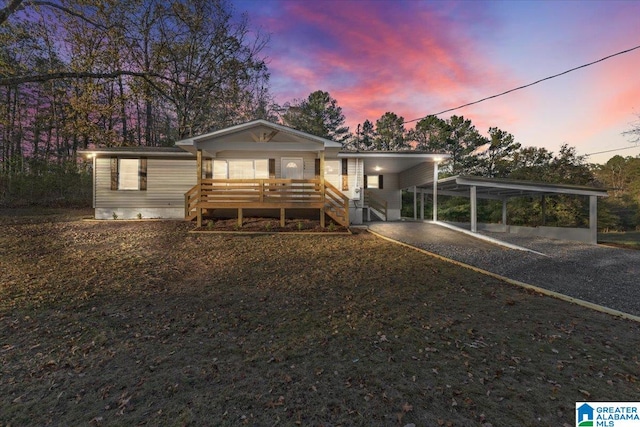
[500, 188]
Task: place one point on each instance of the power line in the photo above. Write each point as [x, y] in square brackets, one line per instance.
[609, 151]
[527, 85]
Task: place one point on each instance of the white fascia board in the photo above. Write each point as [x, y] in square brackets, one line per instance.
[532, 187]
[103, 153]
[257, 123]
[377, 155]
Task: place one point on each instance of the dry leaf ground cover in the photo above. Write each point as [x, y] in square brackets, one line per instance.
[142, 323]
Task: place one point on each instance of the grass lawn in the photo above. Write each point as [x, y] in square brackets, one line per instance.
[140, 323]
[628, 239]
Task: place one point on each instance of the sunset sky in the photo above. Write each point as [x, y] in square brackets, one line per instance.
[416, 58]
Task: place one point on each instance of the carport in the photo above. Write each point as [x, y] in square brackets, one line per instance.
[504, 189]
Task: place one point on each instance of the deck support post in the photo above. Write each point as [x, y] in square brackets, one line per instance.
[282, 217]
[322, 217]
[199, 181]
[239, 217]
[474, 210]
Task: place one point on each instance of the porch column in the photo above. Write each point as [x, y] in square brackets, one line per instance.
[593, 219]
[474, 210]
[435, 191]
[199, 181]
[422, 205]
[504, 214]
[415, 203]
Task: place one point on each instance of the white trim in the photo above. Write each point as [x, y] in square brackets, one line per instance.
[392, 155]
[255, 123]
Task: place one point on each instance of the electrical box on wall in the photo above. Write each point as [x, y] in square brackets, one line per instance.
[356, 193]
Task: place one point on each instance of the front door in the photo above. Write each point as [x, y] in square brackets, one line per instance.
[292, 168]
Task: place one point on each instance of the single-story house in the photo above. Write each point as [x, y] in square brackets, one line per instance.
[267, 169]
[254, 168]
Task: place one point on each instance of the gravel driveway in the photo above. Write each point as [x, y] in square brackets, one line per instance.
[598, 274]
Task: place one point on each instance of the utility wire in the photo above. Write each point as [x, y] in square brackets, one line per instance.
[527, 85]
[609, 151]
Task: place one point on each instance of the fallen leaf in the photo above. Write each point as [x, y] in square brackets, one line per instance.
[585, 392]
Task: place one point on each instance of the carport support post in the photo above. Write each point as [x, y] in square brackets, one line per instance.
[593, 219]
[474, 210]
[435, 191]
[422, 204]
[504, 214]
[415, 203]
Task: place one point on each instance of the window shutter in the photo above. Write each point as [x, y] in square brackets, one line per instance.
[142, 173]
[380, 182]
[345, 174]
[366, 185]
[208, 168]
[114, 173]
[272, 168]
[317, 168]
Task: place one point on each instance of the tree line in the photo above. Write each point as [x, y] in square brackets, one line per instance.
[81, 73]
[496, 154]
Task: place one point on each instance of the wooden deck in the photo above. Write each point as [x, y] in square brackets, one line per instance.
[211, 194]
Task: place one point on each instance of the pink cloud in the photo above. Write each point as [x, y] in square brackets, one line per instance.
[373, 58]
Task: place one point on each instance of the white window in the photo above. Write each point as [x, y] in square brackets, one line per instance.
[373, 181]
[219, 169]
[128, 178]
[241, 169]
[332, 172]
[261, 168]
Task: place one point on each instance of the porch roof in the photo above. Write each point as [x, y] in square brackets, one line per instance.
[381, 162]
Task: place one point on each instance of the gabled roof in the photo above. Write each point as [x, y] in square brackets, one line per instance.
[256, 132]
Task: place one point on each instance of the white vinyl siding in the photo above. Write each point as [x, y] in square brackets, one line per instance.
[418, 175]
[167, 181]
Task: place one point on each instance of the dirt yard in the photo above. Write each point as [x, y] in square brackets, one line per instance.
[141, 323]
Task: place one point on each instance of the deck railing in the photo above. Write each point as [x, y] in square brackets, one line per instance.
[266, 193]
[377, 205]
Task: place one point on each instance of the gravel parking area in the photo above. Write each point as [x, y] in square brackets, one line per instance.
[599, 274]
